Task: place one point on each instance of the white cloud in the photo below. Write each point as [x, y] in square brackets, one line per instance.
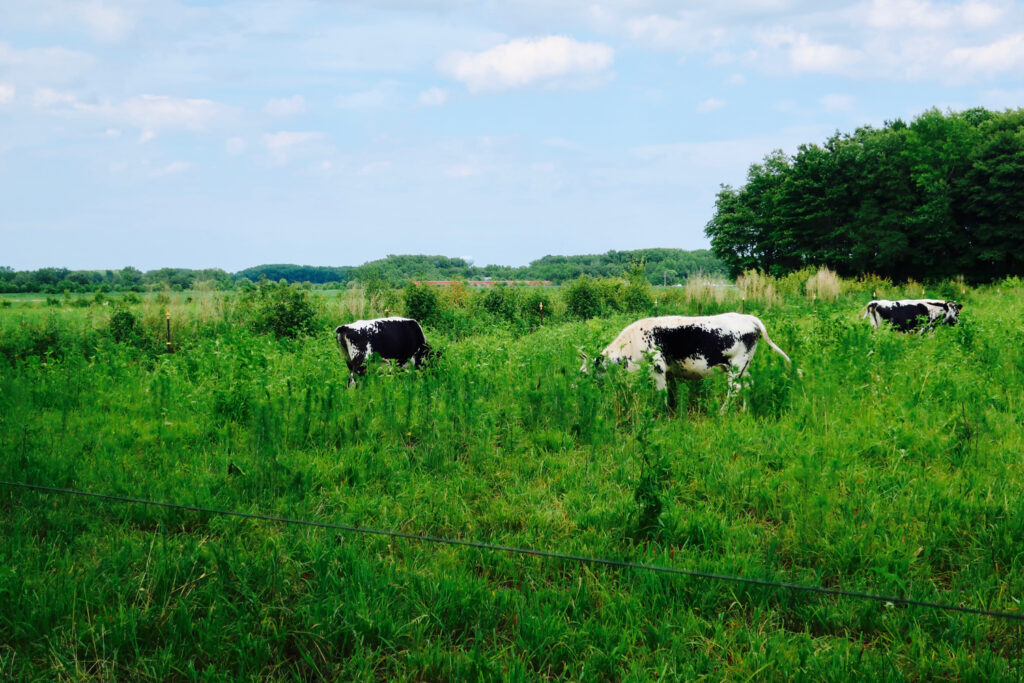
[36, 65]
[375, 168]
[286, 106]
[837, 102]
[382, 95]
[106, 22]
[660, 30]
[808, 55]
[6, 93]
[1002, 55]
[172, 168]
[282, 144]
[709, 105]
[551, 61]
[47, 97]
[147, 112]
[467, 170]
[980, 14]
[921, 15]
[907, 14]
[433, 97]
[234, 146]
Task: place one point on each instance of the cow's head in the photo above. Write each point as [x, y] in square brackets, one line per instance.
[337, 333]
[952, 313]
[596, 363]
[430, 355]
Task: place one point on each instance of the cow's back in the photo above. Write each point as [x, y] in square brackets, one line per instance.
[679, 336]
[392, 338]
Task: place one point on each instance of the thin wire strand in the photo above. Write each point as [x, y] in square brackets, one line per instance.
[583, 559]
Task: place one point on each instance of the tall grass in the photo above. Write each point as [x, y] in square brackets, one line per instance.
[889, 465]
[824, 285]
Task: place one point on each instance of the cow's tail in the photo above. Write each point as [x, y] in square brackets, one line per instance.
[764, 335]
[871, 313]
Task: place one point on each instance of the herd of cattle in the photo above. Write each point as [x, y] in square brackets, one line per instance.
[678, 346]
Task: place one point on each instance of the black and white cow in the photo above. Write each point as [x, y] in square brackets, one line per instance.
[397, 339]
[906, 315]
[690, 347]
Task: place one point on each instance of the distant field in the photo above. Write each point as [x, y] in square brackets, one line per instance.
[891, 465]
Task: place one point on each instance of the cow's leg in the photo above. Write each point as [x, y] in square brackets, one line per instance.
[659, 369]
[673, 393]
[735, 372]
[356, 367]
[734, 388]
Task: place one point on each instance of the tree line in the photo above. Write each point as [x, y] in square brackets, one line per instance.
[660, 266]
[939, 197]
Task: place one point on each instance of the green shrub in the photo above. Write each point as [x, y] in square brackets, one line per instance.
[280, 309]
[123, 326]
[583, 298]
[636, 295]
[535, 307]
[502, 302]
[421, 303]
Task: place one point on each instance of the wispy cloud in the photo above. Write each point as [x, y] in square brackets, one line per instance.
[286, 106]
[381, 95]
[709, 105]
[432, 97]
[837, 102]
[1000, 56]
[172, 168]
[147, 112]
[283, 144]
[550, 61]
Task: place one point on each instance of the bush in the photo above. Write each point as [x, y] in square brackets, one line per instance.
[636, 297]
[583, 298]
[281, 309]
[534, 307]
[123, 326]
[502, 303]
[421, 303]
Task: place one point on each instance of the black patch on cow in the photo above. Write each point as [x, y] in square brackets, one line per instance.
[397, 340]
[690, 341]
[904, 317]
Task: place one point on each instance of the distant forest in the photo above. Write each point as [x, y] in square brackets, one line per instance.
[940, 197]
[669, 266]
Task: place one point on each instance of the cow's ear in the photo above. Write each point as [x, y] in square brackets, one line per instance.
[959, 307]
[338, 329]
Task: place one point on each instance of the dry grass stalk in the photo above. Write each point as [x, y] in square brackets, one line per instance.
[824, 285]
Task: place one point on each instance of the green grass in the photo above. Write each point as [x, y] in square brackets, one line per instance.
[891, 465]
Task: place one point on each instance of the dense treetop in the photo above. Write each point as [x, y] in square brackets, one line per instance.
[940, 197]
[660, 265]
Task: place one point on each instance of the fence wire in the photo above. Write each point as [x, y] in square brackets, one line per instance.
[514, 550]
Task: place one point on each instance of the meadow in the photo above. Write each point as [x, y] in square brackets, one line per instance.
[890, 464]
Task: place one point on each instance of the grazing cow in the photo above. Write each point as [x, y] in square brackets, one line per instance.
[397, 339]
[907, 314]
[690, 347]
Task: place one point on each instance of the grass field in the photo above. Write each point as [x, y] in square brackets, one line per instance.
[891, 465]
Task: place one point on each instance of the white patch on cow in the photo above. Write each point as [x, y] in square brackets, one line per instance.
[371, 324]
[635, 343]
[937, 309]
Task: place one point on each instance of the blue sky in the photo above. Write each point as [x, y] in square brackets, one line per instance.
[231, 134]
